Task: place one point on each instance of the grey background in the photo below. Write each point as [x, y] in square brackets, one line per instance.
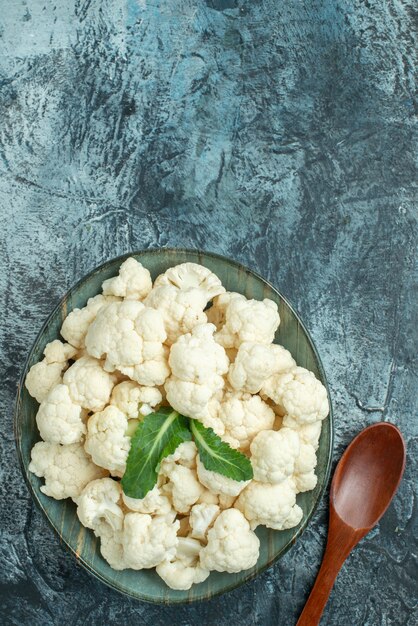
[280, 133]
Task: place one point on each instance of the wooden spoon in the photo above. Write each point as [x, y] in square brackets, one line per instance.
[364, 483]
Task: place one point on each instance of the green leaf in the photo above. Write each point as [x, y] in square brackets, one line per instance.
[156, 436]
[218, 456]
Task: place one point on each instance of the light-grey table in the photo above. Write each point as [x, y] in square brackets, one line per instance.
[280, 133]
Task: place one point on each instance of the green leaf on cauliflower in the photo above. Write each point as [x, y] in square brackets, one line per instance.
[217, 456]
[157, 436]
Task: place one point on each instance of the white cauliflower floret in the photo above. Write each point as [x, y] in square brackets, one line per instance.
[208, 497]
[302, 396]
[308, 433]
[153, 503]
[196, 357]
[217, 483]
[304, 473]
[191, 276]
[98, 503]
[148, 540]
[225, 501]
[133, 282]
[243, 416]
[90, 386]
[59, 419]
[255, 363]
[184, 570]
[232, 546]
[131, 398]
[216, 314]
[77, 322]
[193, 400]
[46, 374]
[107, 441]
[273, 455]
[181, 310]
[273, 506]
[130, 337]
[248, 320]
[183, 488]
[202, 517]
[66, 469]
[111, 545]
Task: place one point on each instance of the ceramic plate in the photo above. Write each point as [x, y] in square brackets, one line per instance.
[145, 584]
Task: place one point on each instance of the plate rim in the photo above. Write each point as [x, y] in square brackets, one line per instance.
[17, 427]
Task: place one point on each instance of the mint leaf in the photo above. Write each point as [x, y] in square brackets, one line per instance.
[217, 456]
[156, 436]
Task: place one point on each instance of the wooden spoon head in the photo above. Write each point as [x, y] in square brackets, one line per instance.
[368, 475]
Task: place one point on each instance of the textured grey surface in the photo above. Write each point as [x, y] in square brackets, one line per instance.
[279, 133]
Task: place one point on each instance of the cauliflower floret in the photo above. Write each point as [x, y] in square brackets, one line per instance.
[130, 336]
[193, 400]
[216, 314]
[308, 433]
[196, 357]
[46, 374]
[133, 282]
[273, 455]
[304, 473]
[131, 398]
[59, 419]
[111, 545]
[202, 517]
[183, 487]
[255, 363]
[243, 416]
[248, 320]
[181, 310]
[208, 497]
[90, 386]
[153, 503]
[184, 570]
[302, 396]
[217, 483]
[98, 503]
[107, 441]
[191, 276]
[273, 506]
[226, 502]
[148, 540]
[66, 469]
[77, 322]
[232, 546]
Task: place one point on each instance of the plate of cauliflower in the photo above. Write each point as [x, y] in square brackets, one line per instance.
[174, 424]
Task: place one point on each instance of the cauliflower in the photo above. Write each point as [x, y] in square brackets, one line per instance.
[302, 396]
[248, 320]
[308, 433]
[98, 503]
[255, 363]
[76, 324]
[207, 497]
[147, 541]
[202, 517]
[225, 501]
[183, 488]
[185, 454]
[131, 399]
[130, 336]
[59, 419]
[196, 357]
[46, 374]
[304, 472]
[191, 276]
[216, 314]
[273, 506]
[111, 545]
[217, 483]
[107, 441]
[153, 503]
[184, 570]
[243, 416]
[273, 455]
[66, 469]
[232, 546]
[194, 400]
[181, 310]
[133, 281]
[90, 386]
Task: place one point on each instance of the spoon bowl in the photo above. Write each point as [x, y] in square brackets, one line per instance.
[364, 483]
